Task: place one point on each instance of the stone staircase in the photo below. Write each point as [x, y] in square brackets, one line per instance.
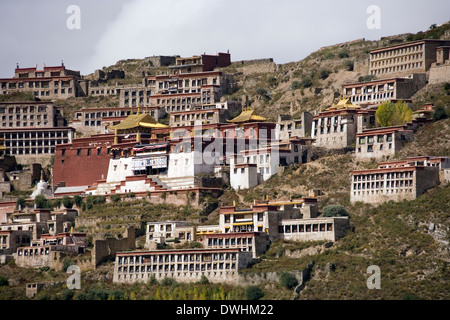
[138, 184]
[177, 183]
[158, 181]
[106, 187]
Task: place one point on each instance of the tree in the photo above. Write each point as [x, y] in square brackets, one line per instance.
[438, 114]
[402, 113]
[263, 94]
[67, 202]
[55, 203]
[288, 280]
[203, 280]
[384, 113]
[295, 85]
[390, 114]
[253, 293]
[3, 281]
[20, 203]
[324, 73]
[78, 200]
[343, 54]
[306, 83]
[41, 202]
[115, 197]
[334, 211]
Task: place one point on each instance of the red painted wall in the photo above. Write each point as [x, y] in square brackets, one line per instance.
[81, 170]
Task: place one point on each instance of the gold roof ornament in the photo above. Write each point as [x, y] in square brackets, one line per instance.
[138, 120]
[247, 115]
[344, 103]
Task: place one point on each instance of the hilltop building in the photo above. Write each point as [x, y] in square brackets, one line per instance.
[36, 114]
[287, 127]
[399, 180]
[375, 92]
[29, 142]
[382, 143]
[49, 83]
[337, 126]
[407, 58]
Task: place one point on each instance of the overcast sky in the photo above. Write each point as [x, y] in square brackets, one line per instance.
[36, 32]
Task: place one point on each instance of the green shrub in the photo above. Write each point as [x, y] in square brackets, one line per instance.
[272, 81]
[334, 211]
[77, 200]
[369, 77]
[349, 65]
[261, 91]
[329, 56]
[447, 87]
[41, 202]
[288, 280]
[306, 83]
[115, 197]
[67, 202]
[324, 73]
[168, 282]
[55, 203]
[67, 262]
[20, 202]
[66, 294]
[195, 245]
[203, 280]
[343, 54]
[253, 293]
[3, 281]
[296, 85]
[439, 113]
[152, 280]
[93, 293]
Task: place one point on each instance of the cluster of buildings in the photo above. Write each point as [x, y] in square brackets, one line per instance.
[39, 238]
[130, 149]
[242, 235]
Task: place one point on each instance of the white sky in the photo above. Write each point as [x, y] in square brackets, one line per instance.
[35, 32]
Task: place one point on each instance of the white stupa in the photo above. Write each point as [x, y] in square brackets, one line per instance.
[43, 189]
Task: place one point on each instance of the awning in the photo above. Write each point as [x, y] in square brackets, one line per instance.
[242, 223]
[204, 232]
[154, 162]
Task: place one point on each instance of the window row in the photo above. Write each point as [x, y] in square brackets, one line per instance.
[177, 267]
[170, 258]
[378, 185]
[296, 228]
